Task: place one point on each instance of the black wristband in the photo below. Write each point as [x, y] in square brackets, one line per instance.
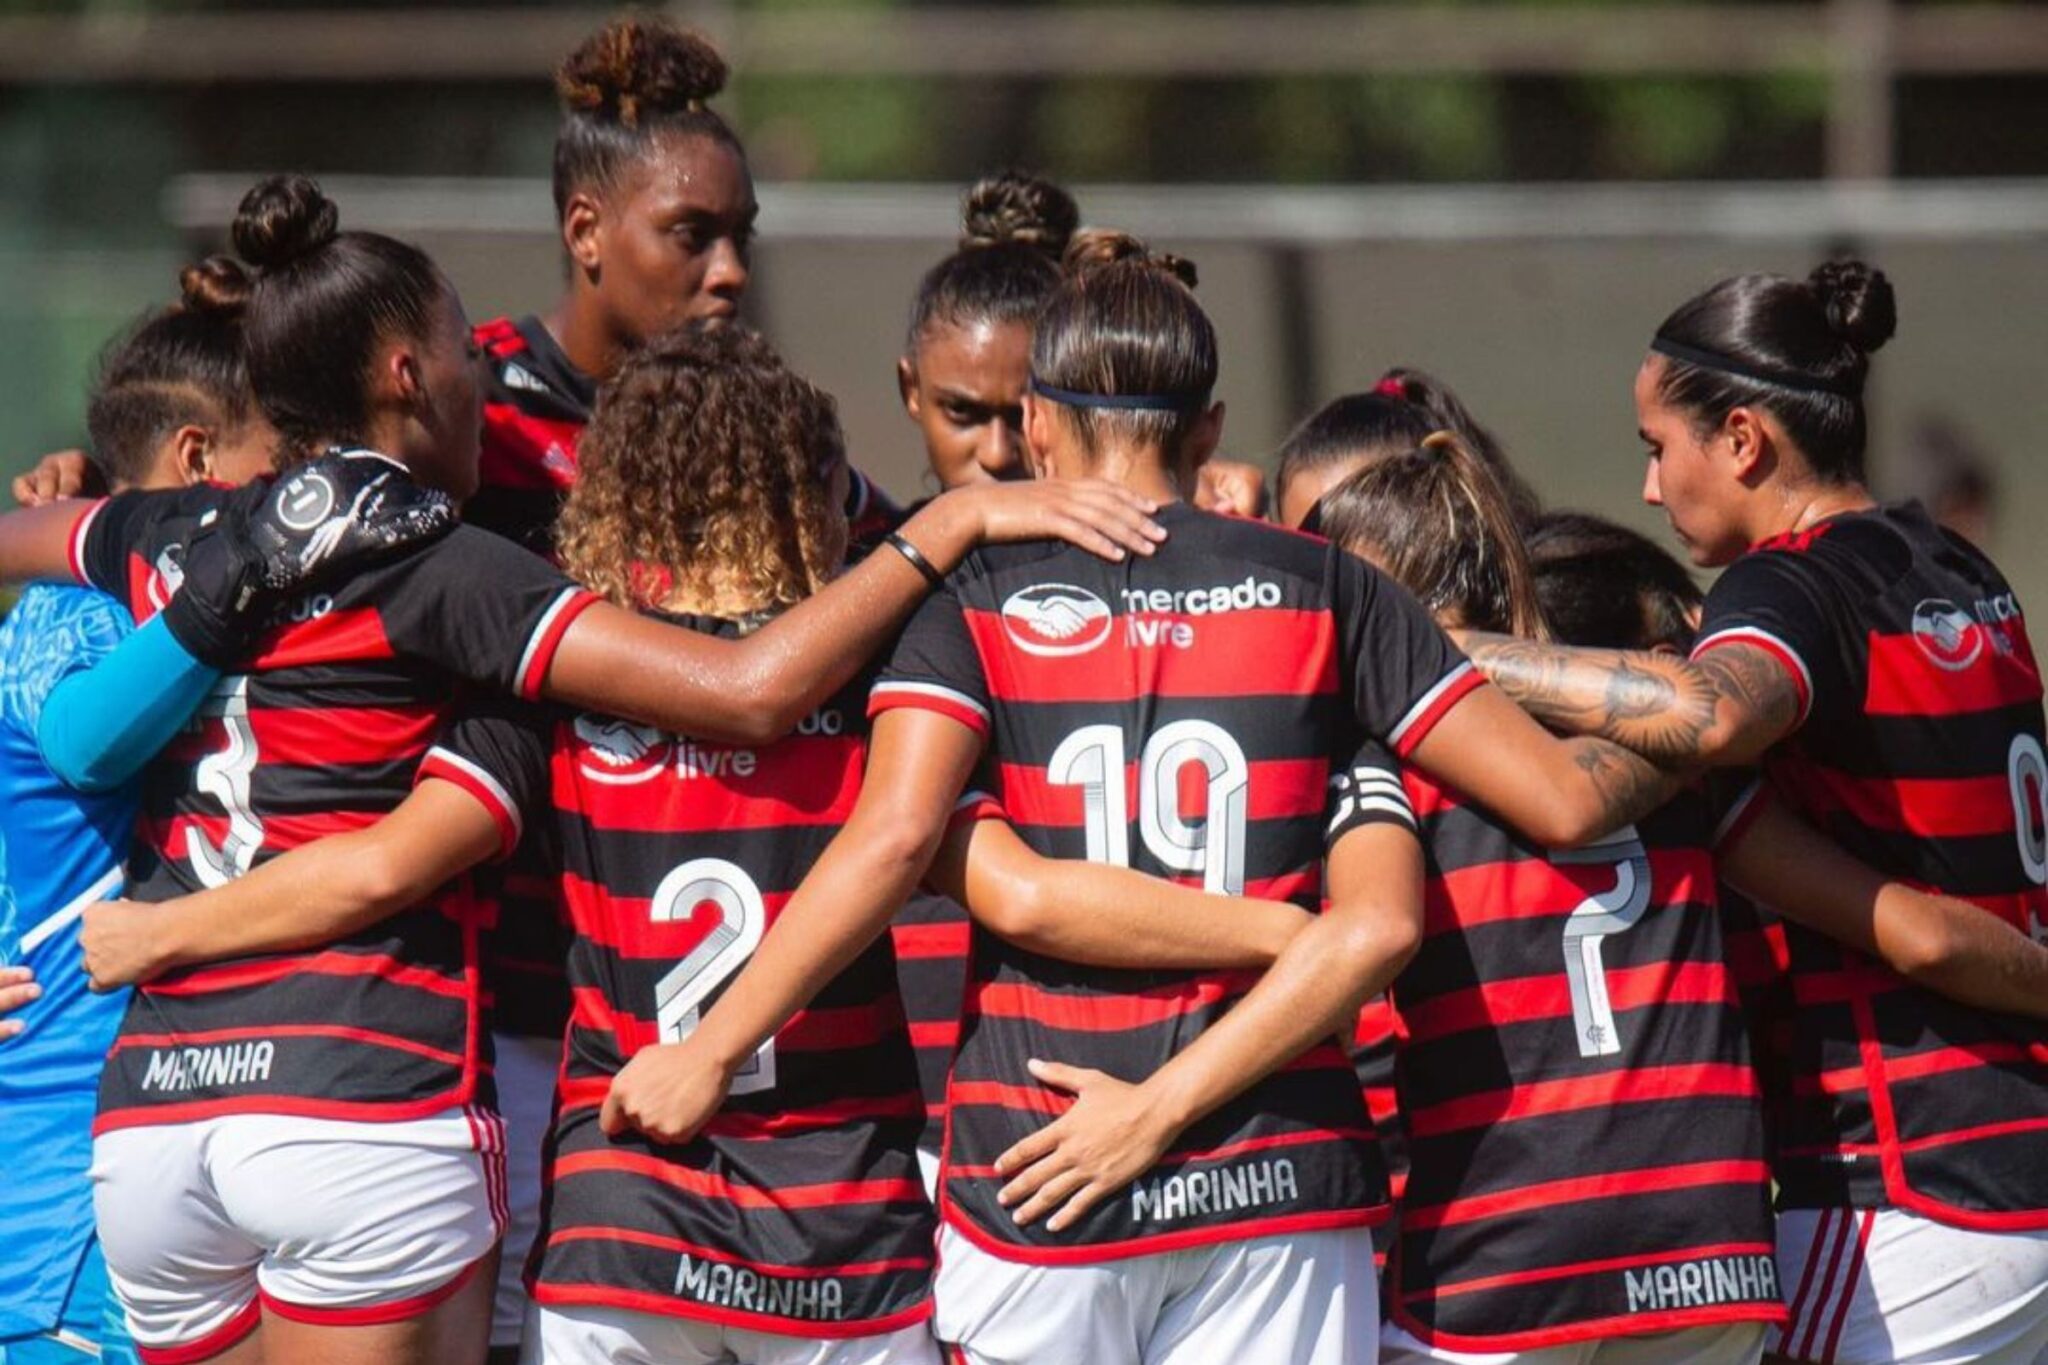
[898, 542]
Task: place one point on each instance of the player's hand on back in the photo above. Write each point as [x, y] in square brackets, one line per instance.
[18, 990]
[271, 542]
[61, 474]
[1113, 1133]
[667, 1091]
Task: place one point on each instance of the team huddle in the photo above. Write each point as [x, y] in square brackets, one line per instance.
[515, 848]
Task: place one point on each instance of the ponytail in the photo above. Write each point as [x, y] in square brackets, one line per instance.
[1437, 521]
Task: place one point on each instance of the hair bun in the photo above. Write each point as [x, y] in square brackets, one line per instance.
[281, 219]
[1100, 248]
[216, 285]
[639, 67]
[1858, 301]
[1020, 208]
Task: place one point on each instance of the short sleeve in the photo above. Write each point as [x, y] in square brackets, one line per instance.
[1770, 601]
[498, 753]
[1405, 674]
[483, 609]
[935, 666]
[1368, 791]
[115, 530]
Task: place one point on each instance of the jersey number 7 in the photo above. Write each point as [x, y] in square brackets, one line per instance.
[1587, 928]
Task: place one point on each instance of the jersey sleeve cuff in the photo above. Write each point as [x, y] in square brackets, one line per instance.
[973, 806]
[928, 696]
[1742, 813]
[490, 793]
[547, 638]
[75, 548]
[1456, 685]
[1787, 657]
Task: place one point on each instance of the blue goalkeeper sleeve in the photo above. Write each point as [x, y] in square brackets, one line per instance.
[102, 724]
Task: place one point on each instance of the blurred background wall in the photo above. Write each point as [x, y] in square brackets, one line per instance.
[1509, 193]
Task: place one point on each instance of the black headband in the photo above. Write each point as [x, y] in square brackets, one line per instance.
[1784, 379]
[1125, 402]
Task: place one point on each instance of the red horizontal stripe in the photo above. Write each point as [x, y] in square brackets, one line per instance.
[1105, 1012]
[270, 1032]
[588, 1092]
[796, 782]
[1296, 650]
[931, 940]
[706, 1185]
[1586, 1189]
[635, 1237]
[1930, 807]
[1532, 888]
[626, 925]
[1280, 789]
[1447, 1289]
[1906, 681]
[926, 1033]
[1523, 999]
[237, 975]
[1983, 1132]
[1640, 1085]
[323, 737]
[343, 635]
[1936, 1062]
[995, 1094]
[1228, 1152]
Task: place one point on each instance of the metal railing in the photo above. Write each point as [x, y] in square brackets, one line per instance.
[1861, 47]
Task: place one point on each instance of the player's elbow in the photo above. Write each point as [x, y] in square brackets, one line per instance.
[1015, 909]
[1371, 945]
[378, 881]
[1927, 952]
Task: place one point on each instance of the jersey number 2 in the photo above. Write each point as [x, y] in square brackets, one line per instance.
[1092, 758]
[741, 920]
[1587, 928]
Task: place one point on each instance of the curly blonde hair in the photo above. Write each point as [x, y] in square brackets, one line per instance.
[707, 463]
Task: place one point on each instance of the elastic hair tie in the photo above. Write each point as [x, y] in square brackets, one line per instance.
[1122, 402]
[1724, 364]
[1391, 387]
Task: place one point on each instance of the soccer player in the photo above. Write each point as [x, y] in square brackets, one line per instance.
[355, 339]
[1076, 1228]
[170, 406]
[1880, 670]
[673, 851]
[1569, 1033]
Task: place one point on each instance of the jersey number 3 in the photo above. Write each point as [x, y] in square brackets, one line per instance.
[740, 919]
[224, 776]
[1092, 758]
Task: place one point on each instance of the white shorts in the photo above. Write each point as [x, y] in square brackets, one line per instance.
[206, 1223]
[1308, 1298]
[1734, 1343]
[1885, 1285]
[526, 1070]
[617, 1336]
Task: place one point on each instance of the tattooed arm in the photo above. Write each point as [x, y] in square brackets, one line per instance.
[1559, 792]
[1723, 709]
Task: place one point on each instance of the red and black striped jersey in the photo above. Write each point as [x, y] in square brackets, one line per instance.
[1919, 749]
[1585, 1134]
[930, 937]
[1176, 714]
[320, 736]
[798, 1209]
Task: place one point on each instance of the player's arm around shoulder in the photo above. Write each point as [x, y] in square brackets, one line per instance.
[311, 895]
